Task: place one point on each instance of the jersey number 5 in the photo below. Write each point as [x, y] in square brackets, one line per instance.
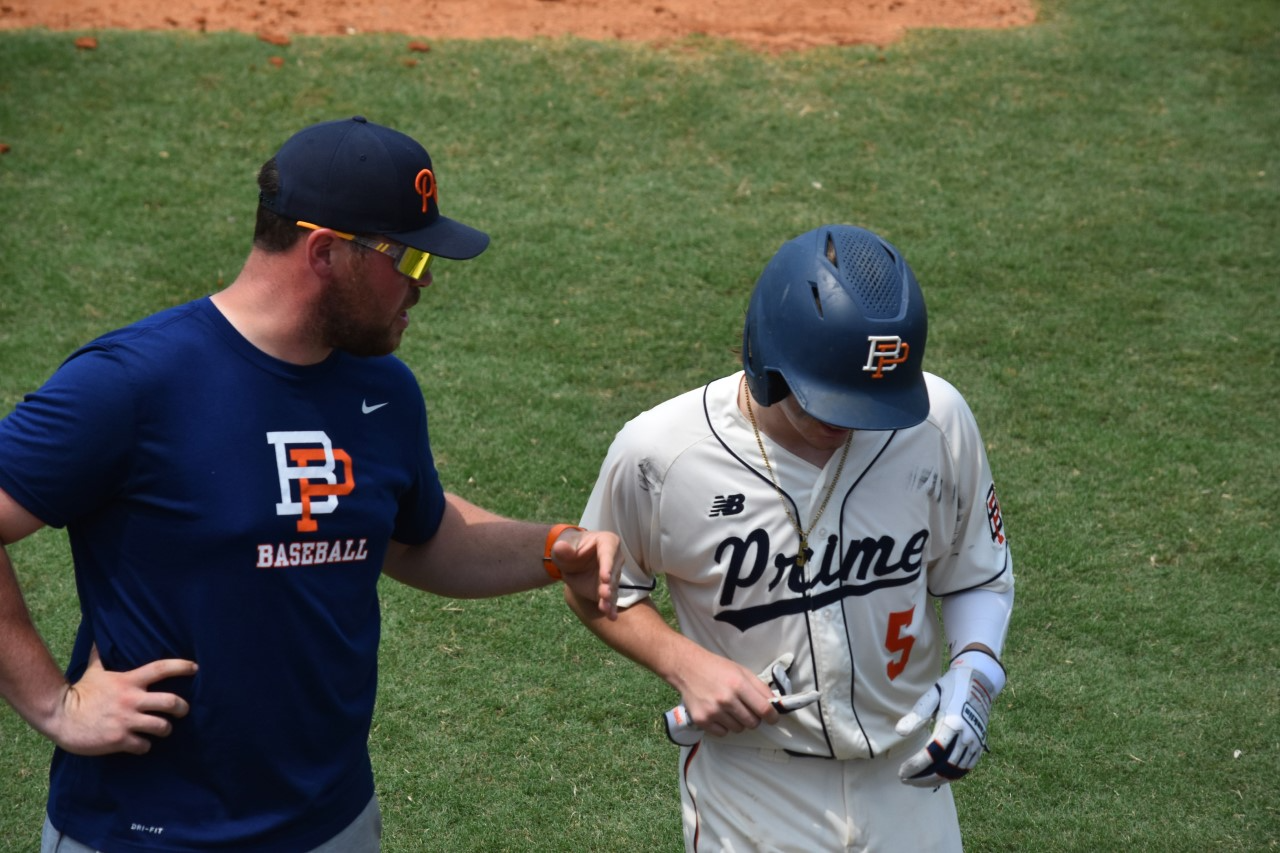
[895, 642]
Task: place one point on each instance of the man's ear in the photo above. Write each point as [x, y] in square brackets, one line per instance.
[321, 251]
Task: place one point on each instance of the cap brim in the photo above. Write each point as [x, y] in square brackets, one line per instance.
[884, 410]
[447, 238]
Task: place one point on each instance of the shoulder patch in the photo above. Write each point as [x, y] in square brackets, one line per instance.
[995, 523]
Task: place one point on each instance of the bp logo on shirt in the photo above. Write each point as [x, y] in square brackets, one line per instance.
[313, 475]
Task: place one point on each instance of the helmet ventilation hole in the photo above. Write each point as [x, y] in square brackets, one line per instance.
[873, 275]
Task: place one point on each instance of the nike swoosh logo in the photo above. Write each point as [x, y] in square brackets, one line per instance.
[366, 408]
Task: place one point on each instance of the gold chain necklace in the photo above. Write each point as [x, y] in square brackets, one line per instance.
[802, 557]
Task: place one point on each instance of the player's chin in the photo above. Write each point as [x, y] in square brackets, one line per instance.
[829, 437]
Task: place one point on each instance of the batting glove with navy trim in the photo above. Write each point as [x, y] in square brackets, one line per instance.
[960, 704]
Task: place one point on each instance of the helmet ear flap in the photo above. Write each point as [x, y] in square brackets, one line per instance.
[768, 389]
[767, 386]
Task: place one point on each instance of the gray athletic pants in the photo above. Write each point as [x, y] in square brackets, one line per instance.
[362, 835]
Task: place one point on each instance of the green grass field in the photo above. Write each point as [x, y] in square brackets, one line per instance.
[1092, 205]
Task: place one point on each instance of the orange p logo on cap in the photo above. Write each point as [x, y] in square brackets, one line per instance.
[425, 185]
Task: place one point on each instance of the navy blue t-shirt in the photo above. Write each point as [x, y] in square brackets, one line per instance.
[229, 508]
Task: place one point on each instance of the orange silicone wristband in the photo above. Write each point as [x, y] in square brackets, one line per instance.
[547, 562]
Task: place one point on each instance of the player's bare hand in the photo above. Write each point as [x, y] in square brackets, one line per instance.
[590, 562]
[106, 712]
[682, 730]
[724, 697]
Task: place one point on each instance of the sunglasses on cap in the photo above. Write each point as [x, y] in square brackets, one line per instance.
[409, 261]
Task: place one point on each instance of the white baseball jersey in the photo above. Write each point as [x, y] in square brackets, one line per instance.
[913, 516]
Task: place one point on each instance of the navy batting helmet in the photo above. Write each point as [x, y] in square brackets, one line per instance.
[837, 319]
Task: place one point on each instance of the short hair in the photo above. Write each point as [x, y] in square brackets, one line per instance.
[272, 232]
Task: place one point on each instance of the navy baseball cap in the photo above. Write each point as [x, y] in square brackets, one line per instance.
[356, 176]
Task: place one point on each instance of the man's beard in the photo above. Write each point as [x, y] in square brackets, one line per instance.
[339, 319]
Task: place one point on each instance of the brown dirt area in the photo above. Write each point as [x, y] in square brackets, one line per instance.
[770, 25]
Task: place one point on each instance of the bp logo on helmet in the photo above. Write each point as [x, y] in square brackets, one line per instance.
[885, 353]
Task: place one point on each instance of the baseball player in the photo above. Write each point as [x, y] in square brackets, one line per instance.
[807, 514]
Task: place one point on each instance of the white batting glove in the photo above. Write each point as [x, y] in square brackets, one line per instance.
[682, 731]
[777, 678]
[680, 728]
[961, 703]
